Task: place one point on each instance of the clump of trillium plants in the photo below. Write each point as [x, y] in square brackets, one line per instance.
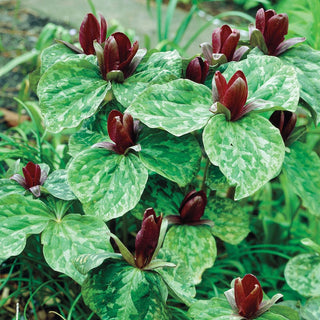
[176, 143]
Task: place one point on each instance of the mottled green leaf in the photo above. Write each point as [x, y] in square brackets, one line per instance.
[108, 184]
[55, 53]
[249, 152]
[306, 61]
[193, 248]
[161, 67]
[118, 291]
[302, 167]
[180, 285]
[69, 92]
[163, 195]
[8, 186]
[215, 179]
[179, 107]
[311, 310]
[216, 308]
[84, 139]
[302, 274]
[270, 81]
[127, 91]
[57, 184]
[231, 221]
[219, 309]
[64, 240]
[19, 218]
[177, 159]
[88, 261]
[169, 60]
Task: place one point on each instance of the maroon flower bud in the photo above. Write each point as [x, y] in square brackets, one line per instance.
[33, 178]
[91, 30]
[122, 130]
[232, 95]
[118, 56]
[274, 27]
[197, 70]
[285, 121]
[192, 206]
[225, 40]
[147, 238]
[248, 295]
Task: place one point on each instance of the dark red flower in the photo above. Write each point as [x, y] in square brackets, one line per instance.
[147, 238]
[248, 295]
[192, 206]
[197, 70]
[232, 95]
[118, 57]
[274, 27]
[285, 121]
[91, 30]
[122, 130]
[224, 42]
[33, 178]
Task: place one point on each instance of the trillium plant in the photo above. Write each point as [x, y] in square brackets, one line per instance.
[171, 161]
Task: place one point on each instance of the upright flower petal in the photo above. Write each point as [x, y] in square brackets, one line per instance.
[147, 238]
[197, 70]
[285, 121]
[248, 295]
[121, 130]
[192, 206]
[232, 95]
[90, 30]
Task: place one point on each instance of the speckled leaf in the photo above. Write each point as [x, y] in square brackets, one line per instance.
[179, 284]
[306, 61]
[88, 261]
[108, 184]
[215, 308]
[161, 67]
[311, 310]
[57, 184]
[215, 179]
[8, 186]
[193, 247]
[302, 274]
[163, 195]
[69, 92]
[219, 309]
[53, 54]
[118, 291]
[64, 240]
[84, 139]
[179, 107]
[19, 218]
[302, 167]
[127, 91]
[177, 159]
[169, 60]
[249, 152]
[274, 83]
[231, 221]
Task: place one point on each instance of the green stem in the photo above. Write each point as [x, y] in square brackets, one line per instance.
[125, 230]
[205, 173]
[293, 217]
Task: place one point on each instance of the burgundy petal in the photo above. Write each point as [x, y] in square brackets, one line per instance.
[260, 20]
[111, 55]
[277, 28]
[103, 29]
[225, 32]
[89, 31]
[193, 206]
[216, 40]
[197, 70]
[123, 43]
[230, 44]
[111, 123]
[147, 238]
[221, 84]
